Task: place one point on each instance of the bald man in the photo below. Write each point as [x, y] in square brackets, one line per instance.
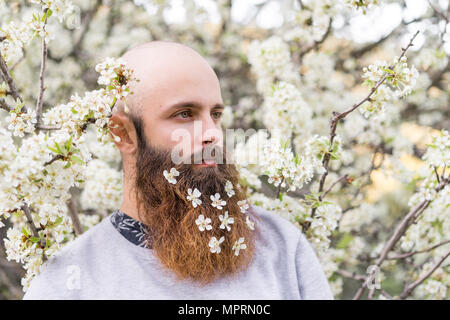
[185, 229]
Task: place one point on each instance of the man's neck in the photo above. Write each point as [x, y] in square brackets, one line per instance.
[129, 203]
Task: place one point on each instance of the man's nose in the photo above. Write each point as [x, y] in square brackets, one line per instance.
[211, 134]
[208, 140]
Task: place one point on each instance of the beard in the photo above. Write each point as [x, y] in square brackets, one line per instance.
[173, 234]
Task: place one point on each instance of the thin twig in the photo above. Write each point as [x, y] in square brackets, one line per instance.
[13, 289]
[410, 288]
[44, 127]
[351, 275]
[85, 27]
[74, 216]
[344, 177]
[26, 209]
[387, 295]
[10, 81]
[5, 105]
[339, 116]
[317, 43]
[399, 231]
[39, 102]
[437, 175]
[409, 254]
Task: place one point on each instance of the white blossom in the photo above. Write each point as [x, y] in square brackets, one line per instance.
[250, 224]
[229, 189]
[243, 205]
[203, 223]
[170, 176]
[194, 196]
[239, 245]
[438, 152]
[214, 244]
[217, 202]
[226, 221]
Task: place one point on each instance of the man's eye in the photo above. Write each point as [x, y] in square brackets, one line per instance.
[184, 114]
[217, 115]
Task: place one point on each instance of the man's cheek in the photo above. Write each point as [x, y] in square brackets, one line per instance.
[181, 144]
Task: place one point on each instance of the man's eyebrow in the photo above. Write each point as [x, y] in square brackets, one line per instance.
[192, 104]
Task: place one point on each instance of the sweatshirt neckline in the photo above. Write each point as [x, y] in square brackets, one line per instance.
[139, 250]
[131, 229]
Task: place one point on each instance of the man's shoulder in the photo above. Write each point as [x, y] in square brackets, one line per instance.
[275, 221]
[47, 284]
[276, 227]
[83, 242]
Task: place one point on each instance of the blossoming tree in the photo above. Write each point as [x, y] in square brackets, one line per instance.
[355, 148]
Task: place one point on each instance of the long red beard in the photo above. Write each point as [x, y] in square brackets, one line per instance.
[174, 236]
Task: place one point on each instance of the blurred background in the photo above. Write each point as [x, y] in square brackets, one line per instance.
[330, 42]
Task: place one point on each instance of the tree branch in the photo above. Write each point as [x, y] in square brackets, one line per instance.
[10, 81]
[41, 75]
[4, 105]
[410, 288]
[35, 232]
[400, 230]
[351, 275]
[322, 196]
[339, 116]
[74, 216]
[409, 254]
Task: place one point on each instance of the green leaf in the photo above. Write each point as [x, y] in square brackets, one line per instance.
[35, 239]
[333, 156]
[68, 164]
[58, 221]
[25, 231]
[69, 144]
[58, 148]
[388, 70]
[113, 102]
[344, 241]
[53, 149]
[76, 160]
[47, 15]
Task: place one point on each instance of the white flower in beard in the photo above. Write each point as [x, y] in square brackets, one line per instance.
[214, 244]
[217, 202]
[239, 245]
[229, 188]
[194, 196]
[250, 223]
[226, 221]
[170, 176]
[243, 205]
[203, 223]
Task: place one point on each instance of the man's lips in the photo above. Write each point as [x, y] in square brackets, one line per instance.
[208, 163]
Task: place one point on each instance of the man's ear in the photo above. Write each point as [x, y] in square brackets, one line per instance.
[123, 133]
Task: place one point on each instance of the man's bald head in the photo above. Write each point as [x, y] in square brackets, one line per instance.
[155, 63]
[176, 102]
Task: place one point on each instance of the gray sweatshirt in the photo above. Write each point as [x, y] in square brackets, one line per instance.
[103, 264]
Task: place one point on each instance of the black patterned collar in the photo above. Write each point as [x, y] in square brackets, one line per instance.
[132, 229]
